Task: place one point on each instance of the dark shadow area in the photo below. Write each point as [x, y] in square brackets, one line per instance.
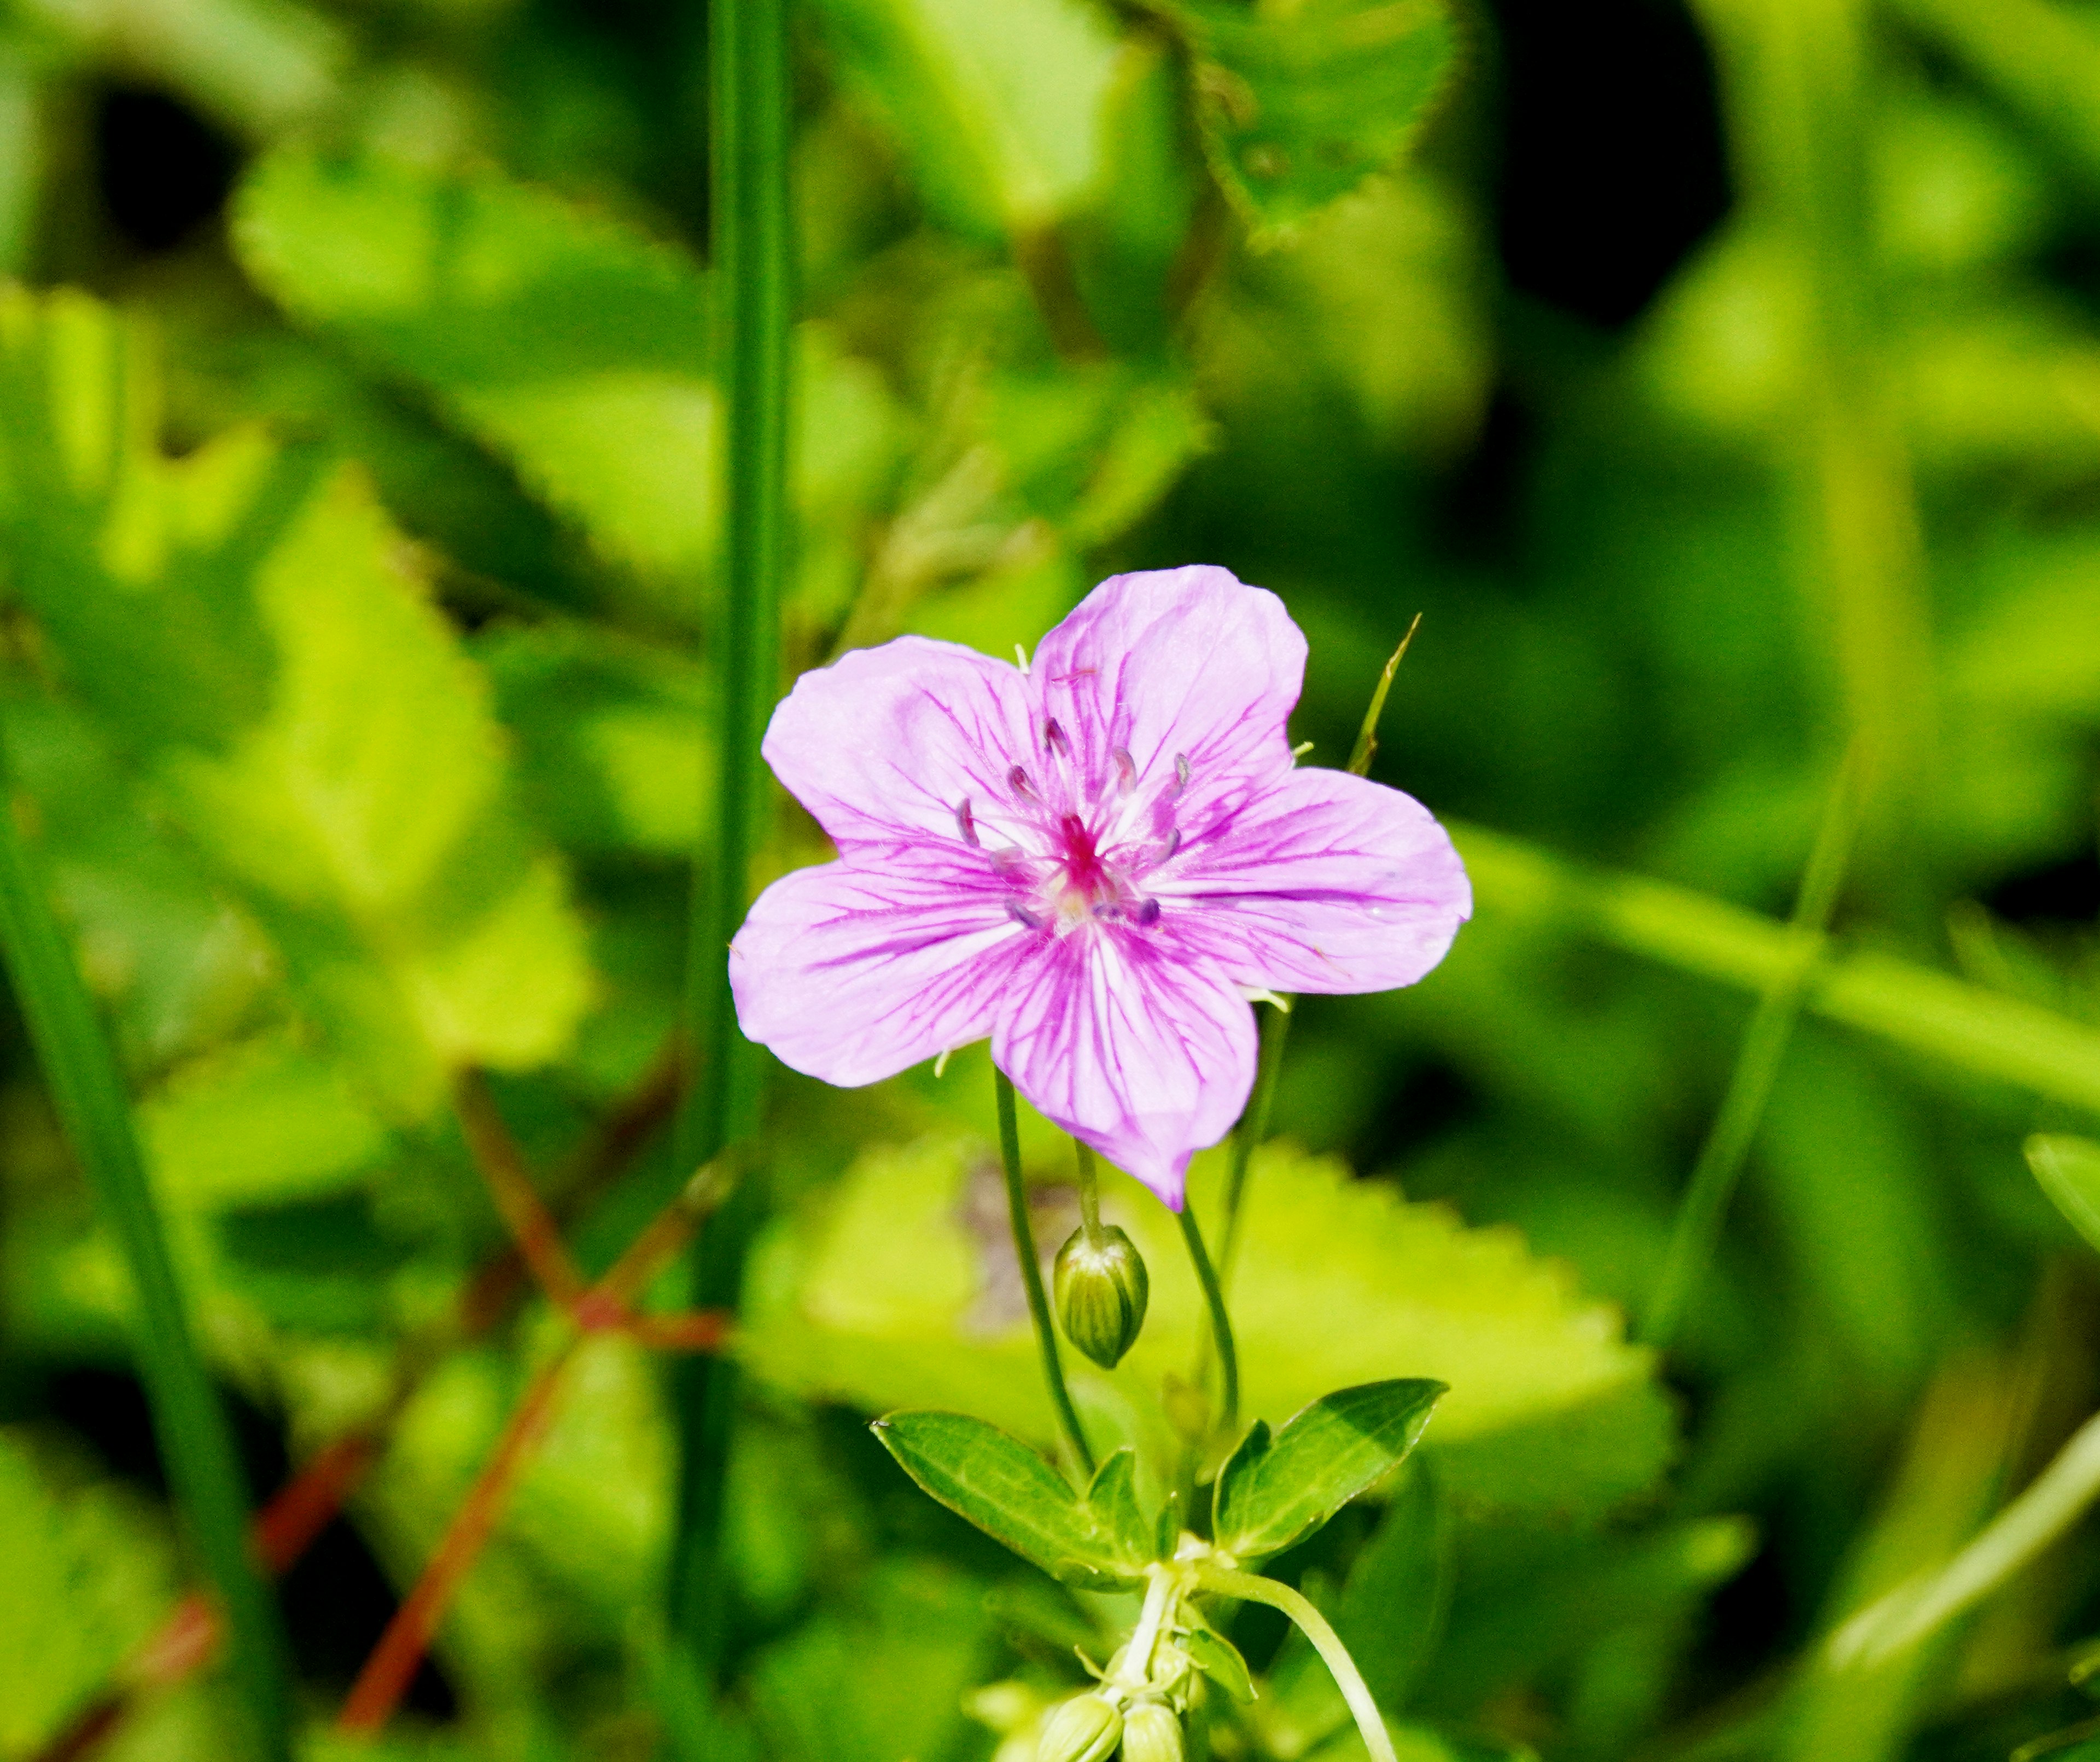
[163, 172]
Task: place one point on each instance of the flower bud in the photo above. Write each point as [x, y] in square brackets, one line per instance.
[1085, 1728]
[1151, 1733]
[1102, 1289]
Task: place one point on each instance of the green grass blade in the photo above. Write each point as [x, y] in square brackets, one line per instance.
[749, 145]
[196, 1440]
[1981, 1032]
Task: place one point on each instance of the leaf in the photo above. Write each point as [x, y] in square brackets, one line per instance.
[875, 1293]
[250, 633]
[87, 1577]
[1014, 1496]
[2069, 1171]
[614, 738]
[1299, 107]
[568, 343]
[1112, 1501]
[1274, 1492]
[1219, 1659]
[998, 111]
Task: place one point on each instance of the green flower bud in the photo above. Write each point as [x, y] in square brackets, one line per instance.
[1102, 1289]
[1085, 1728]
[1151, 1733]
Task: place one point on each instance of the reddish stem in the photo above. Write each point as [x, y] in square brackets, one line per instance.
[531, 1226]
[394, 1662]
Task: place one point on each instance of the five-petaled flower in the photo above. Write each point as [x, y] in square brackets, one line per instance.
[1093, 860]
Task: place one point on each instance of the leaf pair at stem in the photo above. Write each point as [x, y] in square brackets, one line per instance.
[1274, 1492]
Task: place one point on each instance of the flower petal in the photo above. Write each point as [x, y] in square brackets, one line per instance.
[1190, 662]
[1326, 882]
[1146, 1054]
[852, 975]
[884, 745]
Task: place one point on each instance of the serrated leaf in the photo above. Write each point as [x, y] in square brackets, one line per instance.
[249, 630]
[1299, 107]
[570, 344]
[874, 1295]
[1274, 1492]
[2069, 1171]
[1219, 1660]
[1014, 1496]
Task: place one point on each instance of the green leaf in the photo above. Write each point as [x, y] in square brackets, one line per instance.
[1274, 1492]
[2069, 1171]
[88, 1577]
[1300, 105]
[252, 636]
[1219, 1659]
[998, 111]
[568, 343]
[1112, 1502]
[876, 1294]
[1016, 1498]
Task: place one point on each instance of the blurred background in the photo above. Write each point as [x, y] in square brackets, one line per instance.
[1721, 384]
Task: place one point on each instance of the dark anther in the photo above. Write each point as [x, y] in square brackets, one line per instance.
[1180, 772]
[966, 824]
[1126, 768]
[1053, 738]
[1023, 917]
[1016, 779]
[1148, 913]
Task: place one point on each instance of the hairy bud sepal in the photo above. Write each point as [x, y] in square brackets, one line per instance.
[1102, 1289]
[1152, 1732]
[1086, 1729]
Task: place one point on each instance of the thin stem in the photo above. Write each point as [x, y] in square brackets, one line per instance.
[752, 252]
[1252, 1128]
[189, 1424]
[1031, 1274]
[1914, 1611]
[1221, 1323]
[1704, 1209]
[1090, 1194]
[1249, 1588]
[392, 1666]
[1365, 749]
[531, 1226]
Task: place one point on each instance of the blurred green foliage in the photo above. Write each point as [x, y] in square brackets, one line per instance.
[1722, 387]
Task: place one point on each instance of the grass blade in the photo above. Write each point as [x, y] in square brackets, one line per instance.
[196, 1440]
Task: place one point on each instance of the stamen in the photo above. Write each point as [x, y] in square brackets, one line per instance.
[966, 824]
[1126, 768]
[1053, 738]
[1173, 842]
[1180, 772]
[1017, 780]
[1148, 913]
[1023, 917]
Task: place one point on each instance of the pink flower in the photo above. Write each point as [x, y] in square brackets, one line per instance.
[1093, 861]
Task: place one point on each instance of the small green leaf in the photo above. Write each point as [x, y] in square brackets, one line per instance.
[1276, 1492]
[1112, 1501]
[1014, 1496]
[2069, 1171]
[1219, 1659]
[1300, 108]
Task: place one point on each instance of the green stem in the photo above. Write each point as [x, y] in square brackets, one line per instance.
[1221, 1323]
[196, 1440]
[1252, 1128]
[1249, 1588]
[1031, 1274]
[1697, 1234]
[1090, 1194]
[1916, 1611]
[751, 259]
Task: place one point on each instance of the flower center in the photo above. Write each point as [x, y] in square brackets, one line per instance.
[1086, 881]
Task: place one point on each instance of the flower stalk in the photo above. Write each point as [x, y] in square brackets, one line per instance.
[1221, 1321]
[1251, 1587]
[1031, 1276]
